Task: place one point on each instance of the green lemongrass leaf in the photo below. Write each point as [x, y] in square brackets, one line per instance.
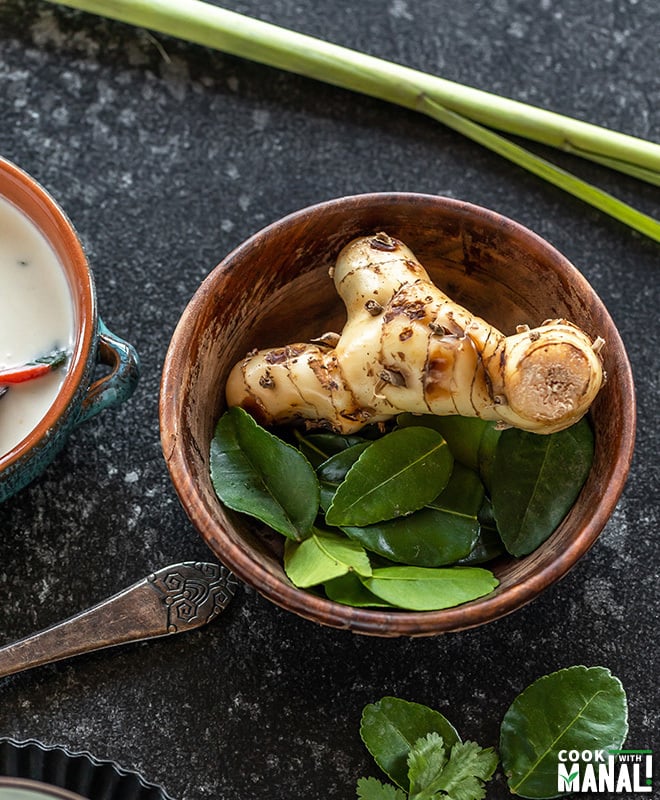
[373, 789]
[322, 557]
[551, 173]
[536, 479]
[350, 591]
[427, 589]
[443, 532]
[579, 708]
[395, 475]
[258, 474]
[333, 471]
[641, 173]
[239, 35]
[390, 728]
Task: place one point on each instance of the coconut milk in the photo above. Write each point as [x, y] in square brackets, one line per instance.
[36, 318]
[21, 793]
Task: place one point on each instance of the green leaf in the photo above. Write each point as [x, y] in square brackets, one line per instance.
[442, 533]
[461, 777]
[390, 728]
[350, 591]
[395, 475]
[319, 447]
[332, 472]
[579, 708]
[428, 589]
[462, 434]
[426, 761]
[425, 538]
[462, 497]
[536, 479]
[373, 789]
[488, 544]
[322, 557]
[256, 473]
[486, 454]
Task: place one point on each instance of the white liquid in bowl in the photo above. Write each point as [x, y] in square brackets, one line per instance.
[11, 793]
[36, 318]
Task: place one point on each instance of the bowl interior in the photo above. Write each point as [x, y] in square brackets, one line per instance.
[24, 789]
[275, 289]
[38, 206]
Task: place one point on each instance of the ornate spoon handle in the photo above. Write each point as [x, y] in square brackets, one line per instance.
[177, 598]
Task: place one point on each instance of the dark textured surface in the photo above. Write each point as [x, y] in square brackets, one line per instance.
[166, 156]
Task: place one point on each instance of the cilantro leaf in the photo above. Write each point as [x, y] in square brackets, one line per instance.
[438, 768]
[461, 777]
[426, 763]
[373, 789]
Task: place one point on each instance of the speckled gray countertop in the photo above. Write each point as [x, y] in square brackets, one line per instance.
[167, 155]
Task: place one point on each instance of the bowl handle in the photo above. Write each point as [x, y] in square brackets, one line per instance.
[119, 384]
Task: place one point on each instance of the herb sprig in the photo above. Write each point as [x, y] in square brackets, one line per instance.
[574, 709]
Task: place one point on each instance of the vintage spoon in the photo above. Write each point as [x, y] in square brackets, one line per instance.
[175, 599]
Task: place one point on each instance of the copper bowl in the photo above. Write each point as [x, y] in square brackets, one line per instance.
[274, 289]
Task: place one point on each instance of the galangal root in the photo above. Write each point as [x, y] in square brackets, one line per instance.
[406, 346]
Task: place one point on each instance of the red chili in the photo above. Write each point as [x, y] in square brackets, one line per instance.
[33, 369]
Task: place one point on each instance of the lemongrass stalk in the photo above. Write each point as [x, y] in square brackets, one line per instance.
[211, 26]
[550, 172]
[643, 174]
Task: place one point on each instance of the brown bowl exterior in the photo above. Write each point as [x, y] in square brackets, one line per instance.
[275, 289]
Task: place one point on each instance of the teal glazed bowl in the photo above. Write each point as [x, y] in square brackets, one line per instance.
[81, 395]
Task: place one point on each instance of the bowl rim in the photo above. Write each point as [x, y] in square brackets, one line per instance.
[16, 182]
[38, 788]
[71, 770]
[376, 621]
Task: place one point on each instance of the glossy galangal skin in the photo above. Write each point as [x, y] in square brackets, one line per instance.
[408, 347]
